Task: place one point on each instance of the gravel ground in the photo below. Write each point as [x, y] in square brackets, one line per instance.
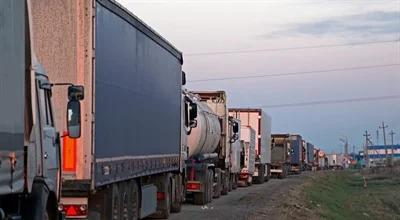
[275, 199]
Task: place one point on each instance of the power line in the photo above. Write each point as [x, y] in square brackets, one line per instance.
[284, 48]
[293, 73]
[335, 101]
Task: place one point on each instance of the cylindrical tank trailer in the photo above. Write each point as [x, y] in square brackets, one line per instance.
[204, 138]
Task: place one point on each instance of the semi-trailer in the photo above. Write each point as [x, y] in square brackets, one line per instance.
[304, 160]
[29, 141]
[322, 160]
[280, 155]
[316, 159]
[261, 122]
[128, 162]
[296, 144]
[235, 152]
[310, 155]
[212, 163]
[247, 164]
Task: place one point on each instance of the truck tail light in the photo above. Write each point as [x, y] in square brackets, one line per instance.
[160, 196]
[69, 153]
[243, 175]
[193, 186]
[72, 211]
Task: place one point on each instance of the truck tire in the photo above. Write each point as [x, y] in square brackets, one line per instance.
[210, 185]
[235, 181]
[164, 206]
[177, 199]
[225, 183]
[260, 178]
[199, 198]
[202, 198]
[284, 171]
[218, 183]
[230, 183]
[266, 178]
[115, 202]
[39, 206]
[129, 196]
[249, 181]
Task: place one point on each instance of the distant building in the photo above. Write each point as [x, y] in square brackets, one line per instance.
[377, 153]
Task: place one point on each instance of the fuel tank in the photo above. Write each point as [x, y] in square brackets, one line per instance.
[204, 138]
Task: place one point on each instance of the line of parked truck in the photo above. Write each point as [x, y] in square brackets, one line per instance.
[126, 140]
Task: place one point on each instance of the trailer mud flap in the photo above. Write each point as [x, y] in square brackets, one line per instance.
[11, 172]
[148, 200]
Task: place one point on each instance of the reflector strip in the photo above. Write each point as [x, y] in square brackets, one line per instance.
[160, 196]
[69, 153]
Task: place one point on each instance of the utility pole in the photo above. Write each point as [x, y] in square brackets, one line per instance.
[346, 145]
[366, 135]
[391, 135]
[384, 138]
[377, 137]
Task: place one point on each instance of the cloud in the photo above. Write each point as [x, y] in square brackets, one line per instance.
[368, 24]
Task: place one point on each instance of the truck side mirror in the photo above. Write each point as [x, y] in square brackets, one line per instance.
[234, 138]
[74, 118]
[235, 127]
[193, 111]
[76, 92]
[183, 78]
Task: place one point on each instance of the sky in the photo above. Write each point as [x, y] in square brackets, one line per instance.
[301, 51]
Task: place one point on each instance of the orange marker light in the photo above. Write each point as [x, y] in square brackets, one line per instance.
[69, 153]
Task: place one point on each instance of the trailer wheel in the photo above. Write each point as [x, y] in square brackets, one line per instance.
[202, 198]
[235, 181]
[199, 198]
[210, 185]
[41, 205]
[129, 197]
[165, 209]
[177, 200]
[249, 180]
[115, 202]
[230, 182]
[284, 171]
[260, 178]
[218, 183]
[266, 178]
[225, 182]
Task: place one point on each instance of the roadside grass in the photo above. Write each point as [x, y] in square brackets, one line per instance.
[340, 195]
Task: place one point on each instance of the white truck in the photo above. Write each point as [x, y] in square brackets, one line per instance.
[248, 155]
[261, 123]
[29, 141]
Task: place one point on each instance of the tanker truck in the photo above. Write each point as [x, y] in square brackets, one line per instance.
[213, 162]
[261, 123]
[127, 164]
[29, 141]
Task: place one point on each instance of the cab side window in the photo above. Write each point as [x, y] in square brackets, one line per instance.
[49, 111]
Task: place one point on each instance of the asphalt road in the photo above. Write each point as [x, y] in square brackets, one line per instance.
[254, 202]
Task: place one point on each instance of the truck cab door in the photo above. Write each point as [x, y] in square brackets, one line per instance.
[50, 146]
